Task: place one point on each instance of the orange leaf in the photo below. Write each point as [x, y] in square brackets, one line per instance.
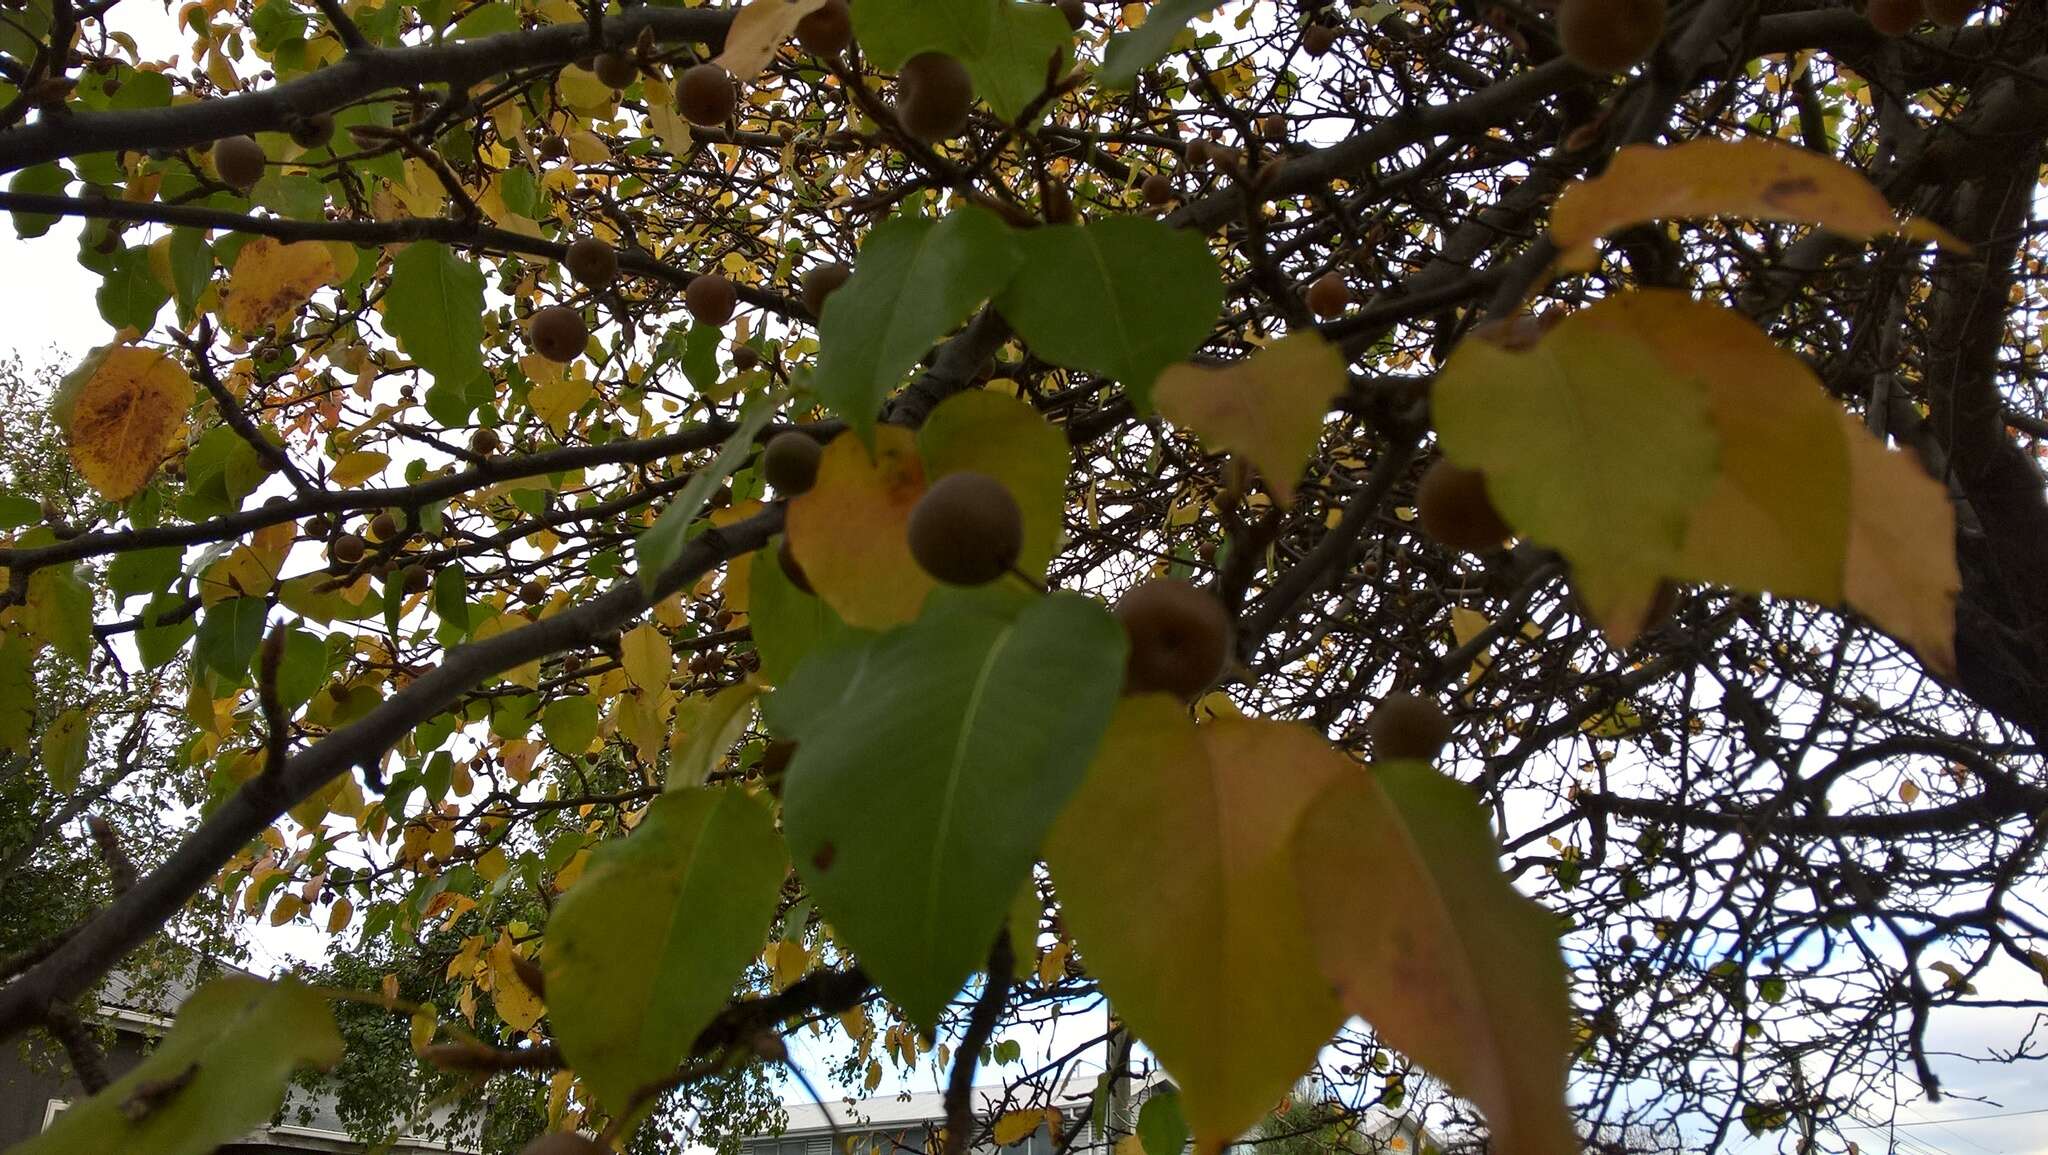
[125, 417]
[1269, 407]
[848, 531]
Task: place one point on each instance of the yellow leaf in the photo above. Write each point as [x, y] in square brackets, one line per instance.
[421, 1029]
[645, 653]
[586, 148]
[1901, 569]
[125, 417]
[848, 531]
[1016, 1126]
[1755, 178]
[1053, 967]
[339, 914]
[1269, 407]
[516, 1002]
[1908, 791]
[352, 469]
[758, 30]
[556, 401]
[1445, 959]
[1214, 971]
[1466, 625]
[271, 280]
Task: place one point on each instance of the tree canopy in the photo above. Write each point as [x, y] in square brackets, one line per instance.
[1494, 550]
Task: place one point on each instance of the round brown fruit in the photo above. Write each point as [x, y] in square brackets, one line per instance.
[616, 69]
[484, 442]
[593, 263]
[1179, 639]
[313, 131]
[933, 96]
[1609, 35]
[383, 527]
[239, 161]
[820, 283]
[828, 31]
[346, 548]
[1075, 11]
[1273, 127]
[786, 558]
[1319, 39]
[534, 591]
[966, 530]
[1894, 17]
[1951, 13]
[1158, 189]
[1456, 511]
[564, 1143]
[705, 95]
[1405, 726]
[745, 358]
[416, 579]
[558, 333]
[710, 298]
[1329, 296]
[790, 462]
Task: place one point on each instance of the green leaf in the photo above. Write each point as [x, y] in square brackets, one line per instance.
[915, 807]
[662, 544]
[1130, 53]
[892, 31]
[59, 611]
[1591, 445]
[64, 749]
[700, 356]
[1213, 971]
[17, 511]
[645, 948]
[229, 634]
[144, 571]
[570, 724]
[49, 179]
[915, 280]
[1446, 960]
[487, 20]
[221, 1072]
[787, 622]
[131, 295]
[191, 269]
[435, 308]
[159, 644]
[303, 669]
[17, 692]
[706, 729]
[1011, 66]
[1124, 298]
[1161, 1129]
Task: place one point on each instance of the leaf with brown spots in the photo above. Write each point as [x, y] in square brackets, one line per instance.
[270, 281]
[1753, 178]
[125, 416]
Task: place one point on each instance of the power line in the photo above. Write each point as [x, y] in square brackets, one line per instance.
[1942, 1122]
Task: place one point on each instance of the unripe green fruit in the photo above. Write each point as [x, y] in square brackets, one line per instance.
[1179, 639]
[705, 95]
[1894, 17]
[238, 161]
[710, 297]
[563, 1143]
[966, 530]
[790, 463]
[615, 69]
[1328, 296]
[313, 131]
[820, 283]
[1609, 35]
[933, 96]
[593, 263]
[558, 333]
[828, 31]
[1455, 510]
[1405, 726]
[346, 548]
